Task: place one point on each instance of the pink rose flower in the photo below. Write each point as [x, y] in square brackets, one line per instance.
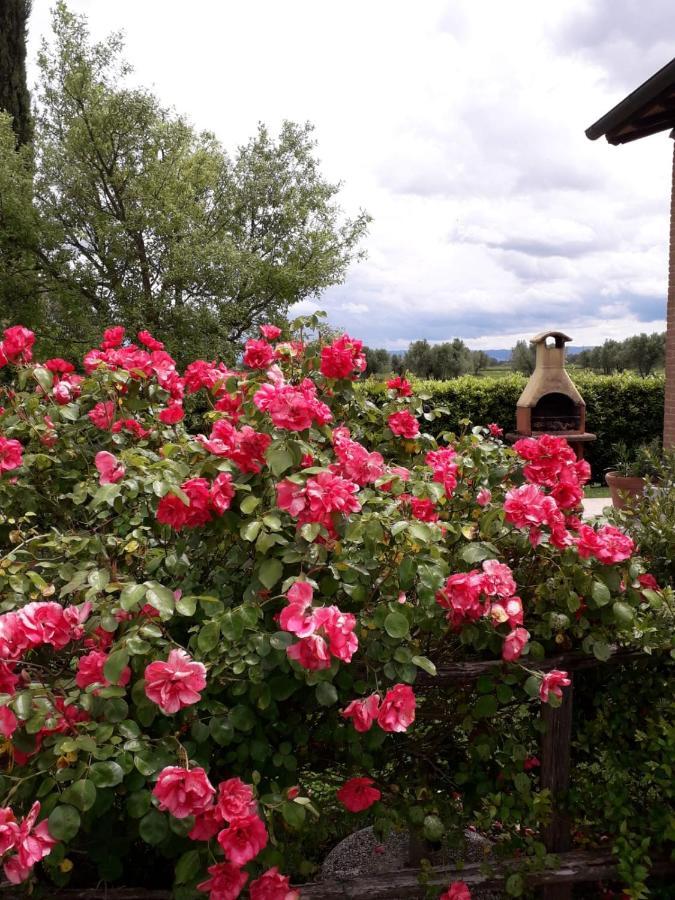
[90, 671]
[397, 711]
[176, 683]
[272, 885]
[498, 581]
[235, 800]
[458, 890]
[172, 414]
[225, 883]
[404, 424]
[110, 468]
[43, 623]
[358, 794]
[112, 337]
[17, 343]
[183, 792]
[552, 683]
[483, 497]
[343, 358]
[103, 415]
[32, 843]
[9, 830]
[290, 407]
[10, 454]
[270, 332]
[8, 723]
[172, 511]
[222, 492]
[310, 652]
[355, 462]
[258, 354]
[207, 825]
[401, 385]
[243, 839]
[362, 712]
[514, 644]
[149, 341]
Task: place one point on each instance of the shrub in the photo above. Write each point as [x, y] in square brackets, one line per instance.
[651, 519]
[623, 407]
[202, 636]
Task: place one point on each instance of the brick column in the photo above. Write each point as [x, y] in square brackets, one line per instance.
[669, 408]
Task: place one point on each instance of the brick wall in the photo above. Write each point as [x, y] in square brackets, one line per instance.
[669, 409]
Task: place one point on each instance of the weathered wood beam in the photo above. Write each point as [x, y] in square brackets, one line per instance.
[555, 751]
[569, 662]
[576, 867]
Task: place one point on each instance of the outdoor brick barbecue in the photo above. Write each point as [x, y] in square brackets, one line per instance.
[550, 403]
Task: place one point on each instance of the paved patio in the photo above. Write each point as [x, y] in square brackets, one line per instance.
[593, 506]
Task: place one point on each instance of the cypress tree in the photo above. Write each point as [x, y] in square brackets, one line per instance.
[14, 95]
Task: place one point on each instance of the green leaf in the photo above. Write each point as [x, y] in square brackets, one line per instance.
[99, 579]
[279, 460]
[310, 531]
[485, 706]
[326, 694]
[420, 532]
[64, 823]
[81, 794]
[600, 593]
[115, 710]
[623, 612]
[602, 650]
[423, 663]
[250, 530]
[532, 686]
[154, 827]
[222, 730]
[294, 814]
[106, 774]
[44, 378]
[114, 666]
[248, 504]
[131, 596]
[478, 551]
[433, 828]
[188, 866]
[209, 637]
[270, 572]
[139, 803]
[161, 598]
[71, 412]
[243, 718]
[522, 783]
[186, 606]
[396, 625]
[514, 885]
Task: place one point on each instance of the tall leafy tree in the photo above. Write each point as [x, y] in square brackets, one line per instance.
[20, 288]
[151, 224]
[14, 95]
[523, 357]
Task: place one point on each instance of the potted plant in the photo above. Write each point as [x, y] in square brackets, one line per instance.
[627, 479]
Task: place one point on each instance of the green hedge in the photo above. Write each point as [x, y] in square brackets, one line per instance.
[622, 407]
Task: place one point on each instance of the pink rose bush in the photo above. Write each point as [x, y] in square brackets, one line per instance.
[227, 596]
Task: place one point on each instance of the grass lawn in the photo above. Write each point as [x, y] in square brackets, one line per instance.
[596, 490]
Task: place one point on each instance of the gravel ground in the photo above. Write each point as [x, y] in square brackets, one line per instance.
[362, 854]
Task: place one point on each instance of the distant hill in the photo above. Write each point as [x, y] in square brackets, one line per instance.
[504, 355]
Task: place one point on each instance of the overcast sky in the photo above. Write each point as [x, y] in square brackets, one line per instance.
[459, 125]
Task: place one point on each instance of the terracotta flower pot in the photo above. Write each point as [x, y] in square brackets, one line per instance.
[624, 487]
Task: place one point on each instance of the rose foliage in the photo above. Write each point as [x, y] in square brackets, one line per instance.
[211, 641]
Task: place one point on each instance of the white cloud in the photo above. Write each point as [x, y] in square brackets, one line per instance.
[460, 127]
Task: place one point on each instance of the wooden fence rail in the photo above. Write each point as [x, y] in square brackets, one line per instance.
[556, 884]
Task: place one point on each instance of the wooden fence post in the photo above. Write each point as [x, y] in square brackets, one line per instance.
[555, 775]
